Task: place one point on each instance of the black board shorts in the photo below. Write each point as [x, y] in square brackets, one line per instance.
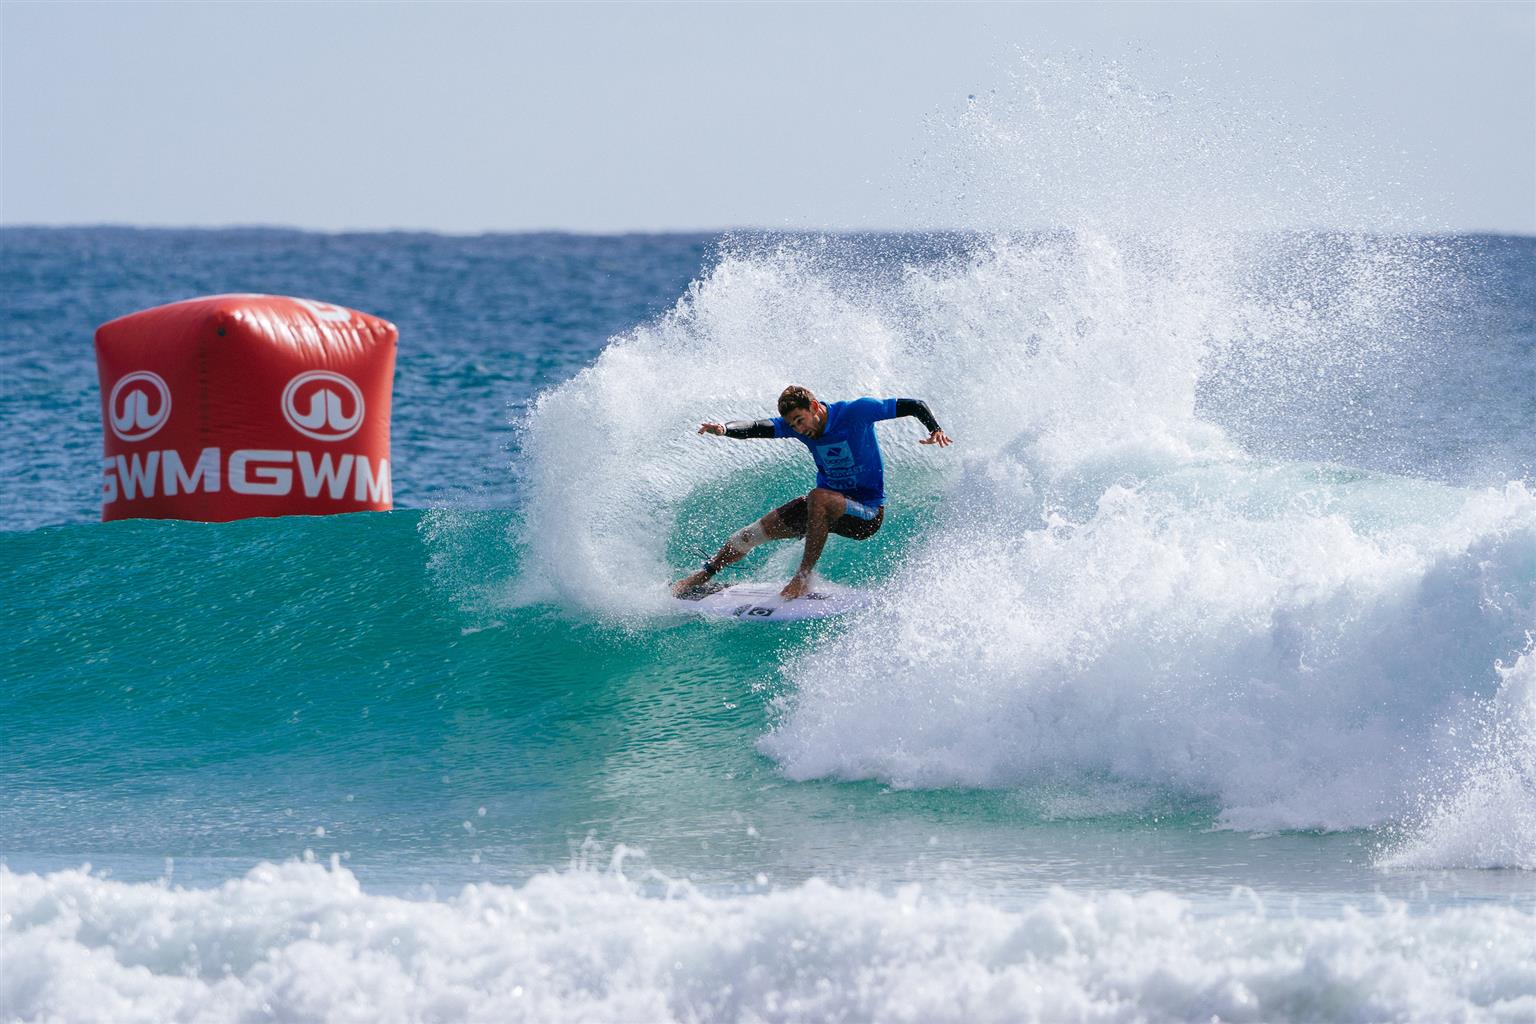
[855, 527]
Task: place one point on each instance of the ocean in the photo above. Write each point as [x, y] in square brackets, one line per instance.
[1198, 682]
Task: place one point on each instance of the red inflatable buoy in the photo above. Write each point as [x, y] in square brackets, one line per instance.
[235, 406]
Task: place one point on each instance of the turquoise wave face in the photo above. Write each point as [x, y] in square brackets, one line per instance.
[377, 688]
[257, 688]
[228, 693]
[184, 687]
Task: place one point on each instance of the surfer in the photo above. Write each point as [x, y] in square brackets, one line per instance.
[849, 496]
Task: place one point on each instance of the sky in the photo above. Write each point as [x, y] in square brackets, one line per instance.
[673, 117]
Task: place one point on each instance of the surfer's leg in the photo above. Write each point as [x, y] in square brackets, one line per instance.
[737, 547]
[823, 507]
[858, 522]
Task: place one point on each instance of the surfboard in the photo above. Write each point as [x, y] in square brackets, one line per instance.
[760, 602]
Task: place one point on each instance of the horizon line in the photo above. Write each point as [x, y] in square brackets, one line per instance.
[710, 232]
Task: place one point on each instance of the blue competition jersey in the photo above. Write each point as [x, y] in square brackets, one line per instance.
[847, 454]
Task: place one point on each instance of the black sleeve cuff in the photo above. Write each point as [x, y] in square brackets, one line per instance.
[917, 407]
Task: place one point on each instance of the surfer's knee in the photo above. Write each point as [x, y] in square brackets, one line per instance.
[748, 537]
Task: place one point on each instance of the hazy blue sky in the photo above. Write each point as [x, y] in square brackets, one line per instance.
[473, 117]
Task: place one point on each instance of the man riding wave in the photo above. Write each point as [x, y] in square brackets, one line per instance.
[849, 496]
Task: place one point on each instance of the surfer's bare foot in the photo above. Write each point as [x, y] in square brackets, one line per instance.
[796, 587]
[688, 583]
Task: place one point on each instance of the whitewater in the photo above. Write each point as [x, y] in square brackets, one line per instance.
[1199, 680]
[1105, 582]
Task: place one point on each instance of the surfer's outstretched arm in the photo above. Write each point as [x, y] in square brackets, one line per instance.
[917, 408]
[739, 429]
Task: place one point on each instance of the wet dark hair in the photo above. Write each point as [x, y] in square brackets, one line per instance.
[795, 397]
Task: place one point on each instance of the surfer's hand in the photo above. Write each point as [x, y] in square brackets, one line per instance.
[797, 586]
[712, 428]
[939, 438]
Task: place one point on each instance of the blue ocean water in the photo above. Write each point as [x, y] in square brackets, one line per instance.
[1199, 678]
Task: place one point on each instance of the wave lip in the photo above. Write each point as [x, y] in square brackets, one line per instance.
[300, 942]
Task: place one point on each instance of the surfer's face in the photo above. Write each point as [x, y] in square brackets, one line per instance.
[806, 421]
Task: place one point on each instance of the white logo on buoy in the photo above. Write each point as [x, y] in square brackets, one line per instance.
[139, 405]
[323, 405]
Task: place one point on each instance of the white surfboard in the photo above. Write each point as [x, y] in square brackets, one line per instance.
[760, 602]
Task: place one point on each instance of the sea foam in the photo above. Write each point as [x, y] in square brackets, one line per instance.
[1105, 580]
[1309, 655]
[1482, 812]
[1085, 343]
[301, 942]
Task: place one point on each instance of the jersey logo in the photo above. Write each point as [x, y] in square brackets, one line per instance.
[836, 456]
[837, 463]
